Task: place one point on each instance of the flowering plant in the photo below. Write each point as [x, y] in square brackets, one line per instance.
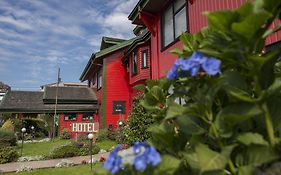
[138, 157]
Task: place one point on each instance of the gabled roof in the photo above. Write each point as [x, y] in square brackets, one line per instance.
[95, 59]
[32, 102]
[149, 6]
[141, 39]
[108, 42]
[69, 95]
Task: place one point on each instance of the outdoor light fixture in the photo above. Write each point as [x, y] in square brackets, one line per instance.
[90, 137]
[120, 123]
[32, 130]
[23, 130]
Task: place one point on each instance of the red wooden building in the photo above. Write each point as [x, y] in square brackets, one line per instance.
[120, 64]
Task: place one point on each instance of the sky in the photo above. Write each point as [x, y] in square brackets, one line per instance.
[39, 36]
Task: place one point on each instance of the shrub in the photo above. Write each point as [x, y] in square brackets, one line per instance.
[65, 134]
[8, 154]
[67, 150]
[82, 138]
[8, 126]
[138, 122]
[84, 150]
[7, 139]
[102, 135]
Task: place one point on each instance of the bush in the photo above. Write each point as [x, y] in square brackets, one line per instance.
[8, 126]
[138, 122]
[82, 138]
[7, 139]
[84, 150]
[102, 135]
[65, 134]
[67, 150]
[8, 154]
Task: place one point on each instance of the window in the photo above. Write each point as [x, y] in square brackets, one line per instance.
[99, 79]
[70, 117]
[174, 22]
[88, 116]
[119, 107]
[144, 58]
[134, 63]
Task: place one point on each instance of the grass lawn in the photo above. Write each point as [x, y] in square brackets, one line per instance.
[106, 144]
[76, 170]
[43, 148]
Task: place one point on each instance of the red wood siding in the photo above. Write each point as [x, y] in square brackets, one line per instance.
[142, 73]
[117, 87]
[163, 60]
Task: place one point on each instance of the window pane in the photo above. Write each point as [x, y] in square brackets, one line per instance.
[144, 59]
[134, 63]
[168, 34]
[179, 4]
[180, 22]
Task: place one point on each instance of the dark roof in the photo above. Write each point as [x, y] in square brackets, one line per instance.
[109, 41]
[141, 39]
[32, 102]
[150, 6]
[69, 95]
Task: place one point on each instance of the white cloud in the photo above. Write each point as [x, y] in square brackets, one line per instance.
[17, 23]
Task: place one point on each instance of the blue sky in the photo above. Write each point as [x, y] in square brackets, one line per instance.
[38, 36]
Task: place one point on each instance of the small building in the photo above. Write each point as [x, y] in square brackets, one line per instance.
[3, 90]
[75, 106]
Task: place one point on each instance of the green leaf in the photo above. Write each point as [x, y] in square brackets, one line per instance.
[255, 155]
[140, 87]
[188, 41]
[246, 170]
[239, 112]
[167, 166]
[177, 51]
[241, 95]
[252, 138]
[221, 20]
[210, 160]
[174, 110]
[157, 92]
[251, 24]
[273, 104]
[192, 160]
[189, 126]
[266, 75]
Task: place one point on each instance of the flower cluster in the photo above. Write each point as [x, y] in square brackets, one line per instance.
[138, 156]
[191, 66]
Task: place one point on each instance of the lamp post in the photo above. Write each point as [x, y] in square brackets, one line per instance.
[32, 130]
[23, 130]
[90, 137]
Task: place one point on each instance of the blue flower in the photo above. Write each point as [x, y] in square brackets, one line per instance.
[113, 161]
[140, 163]
[192, 65]
[153, 157]
[212, 66]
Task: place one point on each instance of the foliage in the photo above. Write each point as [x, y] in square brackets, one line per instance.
[8, 154]
[138, 122]
[7, 139]
[65, 134]
[8, 126]
[102, 135]
[228, 121]
[67, 150]
[82, 138]
[85, 149]
[48, 120]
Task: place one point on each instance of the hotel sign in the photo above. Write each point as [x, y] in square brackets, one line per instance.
[84, 127]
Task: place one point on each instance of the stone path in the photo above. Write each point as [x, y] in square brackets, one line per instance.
[13, 166]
